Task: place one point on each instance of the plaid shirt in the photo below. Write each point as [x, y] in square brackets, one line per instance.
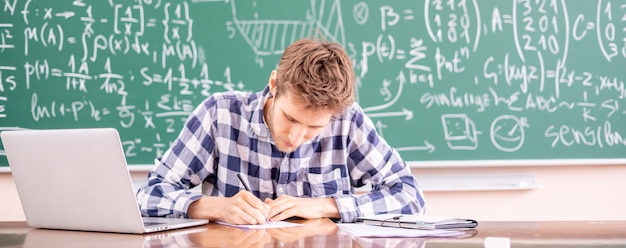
[226, 135]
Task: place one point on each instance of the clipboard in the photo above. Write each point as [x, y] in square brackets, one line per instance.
[424, 222]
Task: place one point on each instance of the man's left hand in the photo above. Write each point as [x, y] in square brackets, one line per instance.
[308, 208]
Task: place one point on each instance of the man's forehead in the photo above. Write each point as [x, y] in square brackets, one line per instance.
[300, 112]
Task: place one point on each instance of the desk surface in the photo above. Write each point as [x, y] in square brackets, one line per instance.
[323, 233]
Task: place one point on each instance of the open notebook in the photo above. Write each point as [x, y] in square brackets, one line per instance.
[77, 179]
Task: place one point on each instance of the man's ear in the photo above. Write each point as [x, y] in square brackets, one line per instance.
[272, 83]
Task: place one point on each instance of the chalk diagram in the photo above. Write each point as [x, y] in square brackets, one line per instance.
[460, 132]
[270, 37]
[507, 132]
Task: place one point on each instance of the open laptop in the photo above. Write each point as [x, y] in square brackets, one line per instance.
[39, 237]
[77, 179]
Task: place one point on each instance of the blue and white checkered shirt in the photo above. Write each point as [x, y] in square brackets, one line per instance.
[226, 135]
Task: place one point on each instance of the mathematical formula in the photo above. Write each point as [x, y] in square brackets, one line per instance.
[454, 75]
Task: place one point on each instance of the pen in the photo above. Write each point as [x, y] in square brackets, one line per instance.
[247, 187]
[244, 182]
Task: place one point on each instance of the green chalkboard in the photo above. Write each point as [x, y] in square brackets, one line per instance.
[442, 80]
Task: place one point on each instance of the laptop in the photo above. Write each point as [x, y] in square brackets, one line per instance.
[39, 237]
[78, 179]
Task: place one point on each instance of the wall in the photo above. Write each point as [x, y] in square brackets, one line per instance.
[10, 208]
[565, 193]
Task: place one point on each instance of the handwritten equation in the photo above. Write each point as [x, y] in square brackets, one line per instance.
[132, 65]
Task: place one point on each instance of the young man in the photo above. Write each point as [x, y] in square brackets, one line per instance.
[302, 144]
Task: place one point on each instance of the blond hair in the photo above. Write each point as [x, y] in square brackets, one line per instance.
[318, 74]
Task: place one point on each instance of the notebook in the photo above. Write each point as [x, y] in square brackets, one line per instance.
[78, 179]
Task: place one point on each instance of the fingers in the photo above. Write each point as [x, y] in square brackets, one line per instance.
[309, 208]
[253, 210]
[283, 215]
[282, 208]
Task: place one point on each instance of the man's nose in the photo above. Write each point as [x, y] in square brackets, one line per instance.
[296, 134]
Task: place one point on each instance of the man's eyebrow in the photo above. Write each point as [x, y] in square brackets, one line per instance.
[294, 119]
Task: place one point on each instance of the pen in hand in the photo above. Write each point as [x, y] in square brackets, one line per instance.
[247, 187]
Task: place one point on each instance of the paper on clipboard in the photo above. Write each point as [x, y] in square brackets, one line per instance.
[418, 221]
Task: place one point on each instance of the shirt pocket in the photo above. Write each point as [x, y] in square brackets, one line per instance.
[324, 183]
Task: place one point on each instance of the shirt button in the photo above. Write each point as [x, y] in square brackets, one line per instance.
[280, 189]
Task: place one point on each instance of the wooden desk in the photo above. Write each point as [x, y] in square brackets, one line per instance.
[322, 233]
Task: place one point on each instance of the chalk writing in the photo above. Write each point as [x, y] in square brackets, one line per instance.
[441, 80]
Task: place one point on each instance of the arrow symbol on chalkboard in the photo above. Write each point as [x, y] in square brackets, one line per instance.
[66, 14]
[427, 146]
[407, 113]
[401, 80]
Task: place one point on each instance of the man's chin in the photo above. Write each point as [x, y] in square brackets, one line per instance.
[286, 149]
[290, 150]
[283, 147]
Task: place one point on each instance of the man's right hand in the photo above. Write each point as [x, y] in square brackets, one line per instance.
[242, 208]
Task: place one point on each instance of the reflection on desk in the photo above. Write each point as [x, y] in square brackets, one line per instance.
[62, 238]
[322, 233]
[313, 233]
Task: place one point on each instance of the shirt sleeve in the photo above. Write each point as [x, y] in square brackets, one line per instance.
[372, 161]
[167, 192]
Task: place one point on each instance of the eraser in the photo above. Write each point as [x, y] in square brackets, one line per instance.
[497, 242]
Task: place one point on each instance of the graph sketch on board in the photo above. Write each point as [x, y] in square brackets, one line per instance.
[272, 36]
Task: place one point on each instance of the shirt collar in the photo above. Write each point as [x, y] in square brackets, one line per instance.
[257, 122]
